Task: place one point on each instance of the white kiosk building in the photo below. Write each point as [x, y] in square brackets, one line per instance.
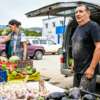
[54, 28]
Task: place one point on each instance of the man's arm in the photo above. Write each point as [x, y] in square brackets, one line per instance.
[96, 57]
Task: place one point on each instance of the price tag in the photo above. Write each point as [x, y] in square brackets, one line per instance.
[41, 82]
[42, 88]
[26, 78]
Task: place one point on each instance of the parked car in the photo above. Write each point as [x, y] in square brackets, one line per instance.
[49, 45]
[67, 9]
[33, 50]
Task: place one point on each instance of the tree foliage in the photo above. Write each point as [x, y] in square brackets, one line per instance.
[30, 33]
[1, 32]
[27, 32]
[8, 30]
[40, 33]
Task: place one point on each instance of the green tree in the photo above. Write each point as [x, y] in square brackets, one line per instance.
[21, 28]
[8, 30]
[34, 33]
[1, 32]
[27, 32]
[40, 33]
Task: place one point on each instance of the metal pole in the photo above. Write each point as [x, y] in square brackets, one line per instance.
[64, 27]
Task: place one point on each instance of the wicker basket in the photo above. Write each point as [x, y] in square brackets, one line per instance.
[23, 63]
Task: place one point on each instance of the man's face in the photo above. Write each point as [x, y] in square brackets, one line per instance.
[81, 14]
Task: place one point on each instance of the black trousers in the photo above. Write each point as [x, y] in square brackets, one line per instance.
[86, 84]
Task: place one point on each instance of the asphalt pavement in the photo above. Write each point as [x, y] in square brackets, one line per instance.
[49, 67]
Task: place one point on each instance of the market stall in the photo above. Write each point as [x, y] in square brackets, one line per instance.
[14, 85]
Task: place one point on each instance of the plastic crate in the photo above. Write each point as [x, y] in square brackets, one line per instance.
[3, 75]
[35, 77]
[93, 94]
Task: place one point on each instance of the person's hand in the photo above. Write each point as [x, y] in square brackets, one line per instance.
[5, 55]
[89, 73]
[72, 68]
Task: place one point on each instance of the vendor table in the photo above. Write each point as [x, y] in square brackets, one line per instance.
[49, 87]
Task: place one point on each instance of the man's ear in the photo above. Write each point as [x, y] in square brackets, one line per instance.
[89, 13]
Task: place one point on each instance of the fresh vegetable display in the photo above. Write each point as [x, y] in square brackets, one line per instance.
[3, 59]
[29, 72]
[28, 67]
[28, 92]
[14, 73]
[24, 73]
[12, 59]
[11, 70]
[70, 61]
[21, 92]
[18, 70]
[3, 66]
[18, 74]
[89, 97]
[71, 94]
[33, 70]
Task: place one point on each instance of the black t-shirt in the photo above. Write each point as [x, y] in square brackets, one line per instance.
[83, 46]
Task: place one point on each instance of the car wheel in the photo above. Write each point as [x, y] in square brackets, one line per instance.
[3, 53]
[59, 51]
[38, 55]
[31, 57]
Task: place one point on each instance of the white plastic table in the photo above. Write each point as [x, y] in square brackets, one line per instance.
[49, 87]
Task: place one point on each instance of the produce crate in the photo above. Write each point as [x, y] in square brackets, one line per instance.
[3, 75]
[93, 94]
[35, 77]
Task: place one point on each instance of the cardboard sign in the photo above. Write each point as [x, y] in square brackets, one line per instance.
[42, 88]
[26, 78]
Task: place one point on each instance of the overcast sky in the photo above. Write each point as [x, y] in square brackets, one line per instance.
[16, 9]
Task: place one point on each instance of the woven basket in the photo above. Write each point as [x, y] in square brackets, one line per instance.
[23, 63]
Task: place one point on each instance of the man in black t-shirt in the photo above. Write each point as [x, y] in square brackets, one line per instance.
[85, 50]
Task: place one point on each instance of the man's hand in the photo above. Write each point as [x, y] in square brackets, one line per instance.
[89, 73]
[72, 68]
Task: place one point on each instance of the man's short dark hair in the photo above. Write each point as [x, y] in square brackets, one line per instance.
[86, 7]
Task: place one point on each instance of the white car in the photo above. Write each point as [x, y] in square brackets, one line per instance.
[49, 45]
